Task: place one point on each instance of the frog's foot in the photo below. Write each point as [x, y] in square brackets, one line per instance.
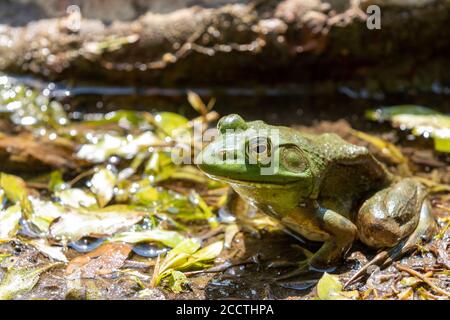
[404, 199]
[302, 268]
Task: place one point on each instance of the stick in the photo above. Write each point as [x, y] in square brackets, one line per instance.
[423, 278]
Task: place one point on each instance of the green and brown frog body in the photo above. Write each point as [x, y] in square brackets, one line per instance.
[318, 186]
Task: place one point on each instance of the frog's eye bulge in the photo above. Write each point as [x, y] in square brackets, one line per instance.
[231, 122]
[293, 159]
[259, 150]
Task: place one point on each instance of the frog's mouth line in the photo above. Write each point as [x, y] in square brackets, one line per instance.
[251, 182]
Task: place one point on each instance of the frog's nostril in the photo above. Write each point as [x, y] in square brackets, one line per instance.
[222, 155]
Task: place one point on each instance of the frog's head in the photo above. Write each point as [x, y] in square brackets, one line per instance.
[258, 155]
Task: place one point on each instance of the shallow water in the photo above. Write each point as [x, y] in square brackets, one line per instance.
[289, 105]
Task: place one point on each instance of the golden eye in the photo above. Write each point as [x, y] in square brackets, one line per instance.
[259, 150]
[292, 158]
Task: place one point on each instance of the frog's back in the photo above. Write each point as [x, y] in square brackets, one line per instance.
[351, 170]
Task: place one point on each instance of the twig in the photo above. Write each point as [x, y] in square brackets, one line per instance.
[423, 278]
[81, 176]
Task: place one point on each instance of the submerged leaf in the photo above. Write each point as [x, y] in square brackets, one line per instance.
[106, 259]
[77, 223]
[168, 238]
[20, 280]
[108, 145]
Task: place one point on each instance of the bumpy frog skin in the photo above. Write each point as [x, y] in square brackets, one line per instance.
[324, 188]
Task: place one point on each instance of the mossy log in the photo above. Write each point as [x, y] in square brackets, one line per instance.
[261, 42]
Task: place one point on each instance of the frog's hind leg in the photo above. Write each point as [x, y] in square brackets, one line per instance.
[398, 217]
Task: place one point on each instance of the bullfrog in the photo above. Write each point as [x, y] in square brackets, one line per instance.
[321, 188]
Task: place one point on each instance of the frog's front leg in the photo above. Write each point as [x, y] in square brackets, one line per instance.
[338, 234]
[342, 232]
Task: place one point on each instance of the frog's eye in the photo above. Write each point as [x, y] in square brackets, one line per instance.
[293, 159]
[259, 150]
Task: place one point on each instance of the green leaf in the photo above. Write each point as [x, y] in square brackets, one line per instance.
[168, 238]
[56, 181]
[442, 144]
[420, 120]
[410, 281]
[203, 206]
[13, 186]
[176, 258]
[3, 256]
[170, 122]
[186, 255]
[204, 255]
[146, 196]
[102, 185]
[20, 280]
[159, 166]
[386, 113]
[330, 288]
[177, 280]
[16, 191]
[9, 221]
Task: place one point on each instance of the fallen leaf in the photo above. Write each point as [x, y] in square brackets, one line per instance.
[76, 198]
[102, 185]
[77, 223]
[230, 232]
[168, 238]
[107, 258]
[330, 288]
[53, 252]
[9, 221]
[20, 280]
[16, 191]
[27, 154]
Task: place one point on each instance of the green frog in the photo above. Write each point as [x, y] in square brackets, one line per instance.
[321, 188]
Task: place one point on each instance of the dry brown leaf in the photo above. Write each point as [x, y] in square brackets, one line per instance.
[24, 152]
[106, 259]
